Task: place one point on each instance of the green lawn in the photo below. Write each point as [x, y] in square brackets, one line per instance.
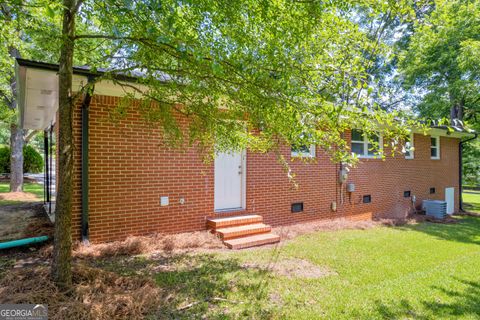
[471, 200]
[34, 188]
[424, 271]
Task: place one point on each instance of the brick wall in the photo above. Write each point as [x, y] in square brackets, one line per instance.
[385, 181]
[131, 167]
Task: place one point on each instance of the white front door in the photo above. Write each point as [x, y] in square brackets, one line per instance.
[229, 181]
[450, 199]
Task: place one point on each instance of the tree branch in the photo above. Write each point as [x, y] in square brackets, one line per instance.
[108, 37]
[29, 136]
[77, 6]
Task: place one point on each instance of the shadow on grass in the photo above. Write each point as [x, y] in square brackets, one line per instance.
[474, 207]
[207, 286]
[201, 285]
[467, 230]
[464, 303]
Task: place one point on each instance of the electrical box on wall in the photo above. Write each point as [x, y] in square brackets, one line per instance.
[164, 201]
[350, 187]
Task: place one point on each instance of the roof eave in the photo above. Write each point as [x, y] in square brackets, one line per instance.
[76, 70]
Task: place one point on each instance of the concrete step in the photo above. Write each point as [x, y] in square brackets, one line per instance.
[252, 241]
[216, 223]
[242, 231]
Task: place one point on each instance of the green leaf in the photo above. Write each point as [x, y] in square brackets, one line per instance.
[49, 11]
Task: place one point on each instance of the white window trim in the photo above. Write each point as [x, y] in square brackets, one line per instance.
[310, 154]
[365, 147]
[412, 148]
[437, 147]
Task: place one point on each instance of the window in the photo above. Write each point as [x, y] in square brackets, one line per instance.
[406, 194]
[367, 198]
[432, 190]
[434, 147]
[303, 151]
[362, 145]
[409, 147]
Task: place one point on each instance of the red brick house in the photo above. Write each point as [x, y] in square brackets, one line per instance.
[128, 183]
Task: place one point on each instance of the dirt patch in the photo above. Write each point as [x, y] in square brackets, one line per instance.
[149, 244]
[294, 268]
[23, 221]
[96, 294]
[19, 196]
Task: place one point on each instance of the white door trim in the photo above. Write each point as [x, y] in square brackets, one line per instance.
[243, 188]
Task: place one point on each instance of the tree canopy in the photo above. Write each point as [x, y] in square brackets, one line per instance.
[253, 74]
[442, 62]
[440, 66]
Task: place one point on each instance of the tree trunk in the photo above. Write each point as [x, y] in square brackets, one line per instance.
[460, 110]
[16, 158]
[62, 249]
[16, 132]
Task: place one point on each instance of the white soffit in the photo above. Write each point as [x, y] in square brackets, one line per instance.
[444, 133]
[40, 101]
[41, 98]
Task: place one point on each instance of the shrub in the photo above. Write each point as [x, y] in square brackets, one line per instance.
[32, 160]
[4, 160]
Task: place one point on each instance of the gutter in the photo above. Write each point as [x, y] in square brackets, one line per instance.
[84, 166]
[460, 168]
[83, 71]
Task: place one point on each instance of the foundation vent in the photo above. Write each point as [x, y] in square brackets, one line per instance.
[297, 207]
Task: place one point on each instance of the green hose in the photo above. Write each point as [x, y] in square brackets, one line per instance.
[22, 242]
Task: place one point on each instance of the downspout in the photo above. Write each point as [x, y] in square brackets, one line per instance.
[50, 172]
[46, 197]
[460, 168]
[84, 167]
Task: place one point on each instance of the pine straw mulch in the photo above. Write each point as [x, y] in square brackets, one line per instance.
[19, 196]
[96, 294]
[135, 245]
[295, 230]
